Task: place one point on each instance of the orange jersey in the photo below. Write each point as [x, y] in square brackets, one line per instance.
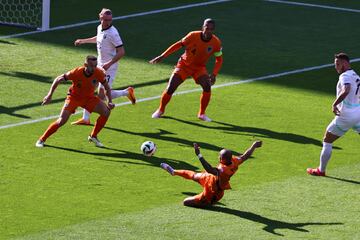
[198, 51]
[83, 85]
[225, 172]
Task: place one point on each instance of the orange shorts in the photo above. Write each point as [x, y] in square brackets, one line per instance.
[89, 103]
[210, 194]
[185, 71]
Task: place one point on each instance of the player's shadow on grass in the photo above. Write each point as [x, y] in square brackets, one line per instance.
[7, 42]
[254, 131]
[343, 180]
[270, 224]
[168, 136]
[116, 154]
[11, 110]
[144, 84]
[29, 76]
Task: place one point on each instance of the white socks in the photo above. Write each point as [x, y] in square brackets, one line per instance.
[114, 94]
[118, 93]
[86, 115]
[325, 155]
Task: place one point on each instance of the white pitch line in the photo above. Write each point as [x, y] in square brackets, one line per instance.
[262, 78]
[119, 18]
[315, 5]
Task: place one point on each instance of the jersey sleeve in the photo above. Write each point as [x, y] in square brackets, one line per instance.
[218, 49]
[71, 75]
[345, 79]
[116, 39]
[187, 39]
[101, 76]
[237, 160]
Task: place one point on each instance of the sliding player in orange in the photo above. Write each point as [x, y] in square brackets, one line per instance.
[84, 79]
[213, 180]
[199, 47]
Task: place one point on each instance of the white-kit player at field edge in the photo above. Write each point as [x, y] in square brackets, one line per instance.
[346, 107]
[110, 50]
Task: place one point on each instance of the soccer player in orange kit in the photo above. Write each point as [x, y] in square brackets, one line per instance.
[199, 47]
[84, 79]
[213, 180]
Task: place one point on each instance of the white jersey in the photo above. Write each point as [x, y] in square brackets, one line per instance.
[107, 41]
[352, 100]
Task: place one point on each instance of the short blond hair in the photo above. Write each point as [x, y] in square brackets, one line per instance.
[105, 11]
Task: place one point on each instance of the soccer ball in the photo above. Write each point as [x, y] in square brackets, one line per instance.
[148, 148]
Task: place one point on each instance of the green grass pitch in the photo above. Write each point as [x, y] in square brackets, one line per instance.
[73, 190]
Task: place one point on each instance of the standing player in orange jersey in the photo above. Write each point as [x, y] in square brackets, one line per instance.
[213, 180]
[199, 47]
[84, 79]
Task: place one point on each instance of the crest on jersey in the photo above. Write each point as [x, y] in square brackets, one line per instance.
[94, 81]
[209, 49]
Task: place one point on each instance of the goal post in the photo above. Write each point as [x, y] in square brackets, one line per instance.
[33, 14]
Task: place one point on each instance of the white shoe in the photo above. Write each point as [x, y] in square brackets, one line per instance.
[204, 118]
[157, 114]
[39, 143]
[96, 141]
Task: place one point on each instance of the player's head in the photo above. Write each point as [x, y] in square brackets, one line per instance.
[208, 28]
[105, 17]
[90, 63]
[342, 62]
[225, 156]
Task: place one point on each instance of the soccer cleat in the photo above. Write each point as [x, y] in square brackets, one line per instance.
[315, 172]
[131, 95]
[39, 143]
[204, 118]
[157, 114]
[96, 141]
[167, 168]
[81, 121]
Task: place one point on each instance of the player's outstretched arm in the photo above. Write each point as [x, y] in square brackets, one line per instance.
[85, 40]
[173, 48]
[57, 80]
[205, 164]
[250, 150]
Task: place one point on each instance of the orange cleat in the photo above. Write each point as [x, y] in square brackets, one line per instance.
[131, 95]
[315, 172]
[81, 121]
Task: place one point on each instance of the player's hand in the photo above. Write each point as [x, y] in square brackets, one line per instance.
[77, 42]
[335, 110]
[212, 79]
[46, 100]
[111, 105]
[257, 144]
[156, 60]
[197, 149]
[106, 66]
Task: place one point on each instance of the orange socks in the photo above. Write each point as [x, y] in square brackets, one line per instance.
[165, 98]
[204, 102]
[184, 173]
[53, 127]
[100, 123]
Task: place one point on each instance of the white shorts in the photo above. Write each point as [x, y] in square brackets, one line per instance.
[110, 75]
[341, 124]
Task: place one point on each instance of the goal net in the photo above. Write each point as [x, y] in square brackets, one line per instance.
[25, 13]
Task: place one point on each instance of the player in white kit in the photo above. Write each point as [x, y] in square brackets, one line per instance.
[346, 107]
[110, 50]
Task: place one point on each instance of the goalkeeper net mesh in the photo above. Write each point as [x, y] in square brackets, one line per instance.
[21, 13]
